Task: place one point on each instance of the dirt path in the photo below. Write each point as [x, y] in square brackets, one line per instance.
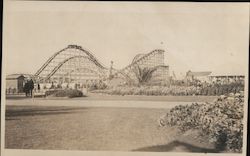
[101, 97]
[85, 103]
[93, 128]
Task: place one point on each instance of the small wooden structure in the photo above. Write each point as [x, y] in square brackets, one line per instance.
[202, 76]
[15, 83]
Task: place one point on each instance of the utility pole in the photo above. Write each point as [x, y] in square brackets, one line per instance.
[111, 70]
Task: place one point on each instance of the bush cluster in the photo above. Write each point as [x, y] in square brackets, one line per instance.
[50, 92]
[221, 120]
[64, 93]
[99, 86]
[208, 90]
[221, 89]
[149, 90]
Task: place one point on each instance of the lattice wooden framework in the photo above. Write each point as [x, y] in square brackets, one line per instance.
[75, 64]
[72, 64]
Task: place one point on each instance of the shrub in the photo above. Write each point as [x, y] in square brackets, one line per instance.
[64, 93]
[50, 92]
[149, 90]
[97, 86]
[221, 89]
[221, 121]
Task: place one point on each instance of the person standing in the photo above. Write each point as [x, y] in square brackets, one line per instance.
[31, 87]
[38, 87]
[26, 88]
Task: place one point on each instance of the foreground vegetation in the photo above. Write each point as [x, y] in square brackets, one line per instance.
[221, 121]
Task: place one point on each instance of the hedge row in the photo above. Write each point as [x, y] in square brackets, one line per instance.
[64, 93]
[172, 90]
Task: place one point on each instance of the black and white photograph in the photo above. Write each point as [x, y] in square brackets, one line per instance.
[124, 78]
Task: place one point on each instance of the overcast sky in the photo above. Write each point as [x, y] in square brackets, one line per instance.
[195, 36]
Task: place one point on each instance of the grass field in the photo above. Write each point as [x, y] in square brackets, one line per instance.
[96, 128]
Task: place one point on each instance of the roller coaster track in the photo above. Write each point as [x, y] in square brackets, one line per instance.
[77, 69]
[140, 59]
[70, 47]
[138, 56]
[136, 60]
[87, 55]
[126, 76]
[66, 60]
[129, 79]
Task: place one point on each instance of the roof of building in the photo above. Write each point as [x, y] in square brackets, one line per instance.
[205, 73]
[227, 73]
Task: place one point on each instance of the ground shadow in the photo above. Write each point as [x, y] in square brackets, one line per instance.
[170, 147]
[23, 97]
[37, 111]
[17, 97]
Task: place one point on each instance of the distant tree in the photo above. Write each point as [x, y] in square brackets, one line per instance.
[143, 75]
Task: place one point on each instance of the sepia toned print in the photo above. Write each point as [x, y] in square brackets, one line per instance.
[132, 78]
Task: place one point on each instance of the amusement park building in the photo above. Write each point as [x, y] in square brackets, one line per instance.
[15, 82]
[74, 64]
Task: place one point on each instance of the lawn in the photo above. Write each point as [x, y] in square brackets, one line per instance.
[95, 128]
